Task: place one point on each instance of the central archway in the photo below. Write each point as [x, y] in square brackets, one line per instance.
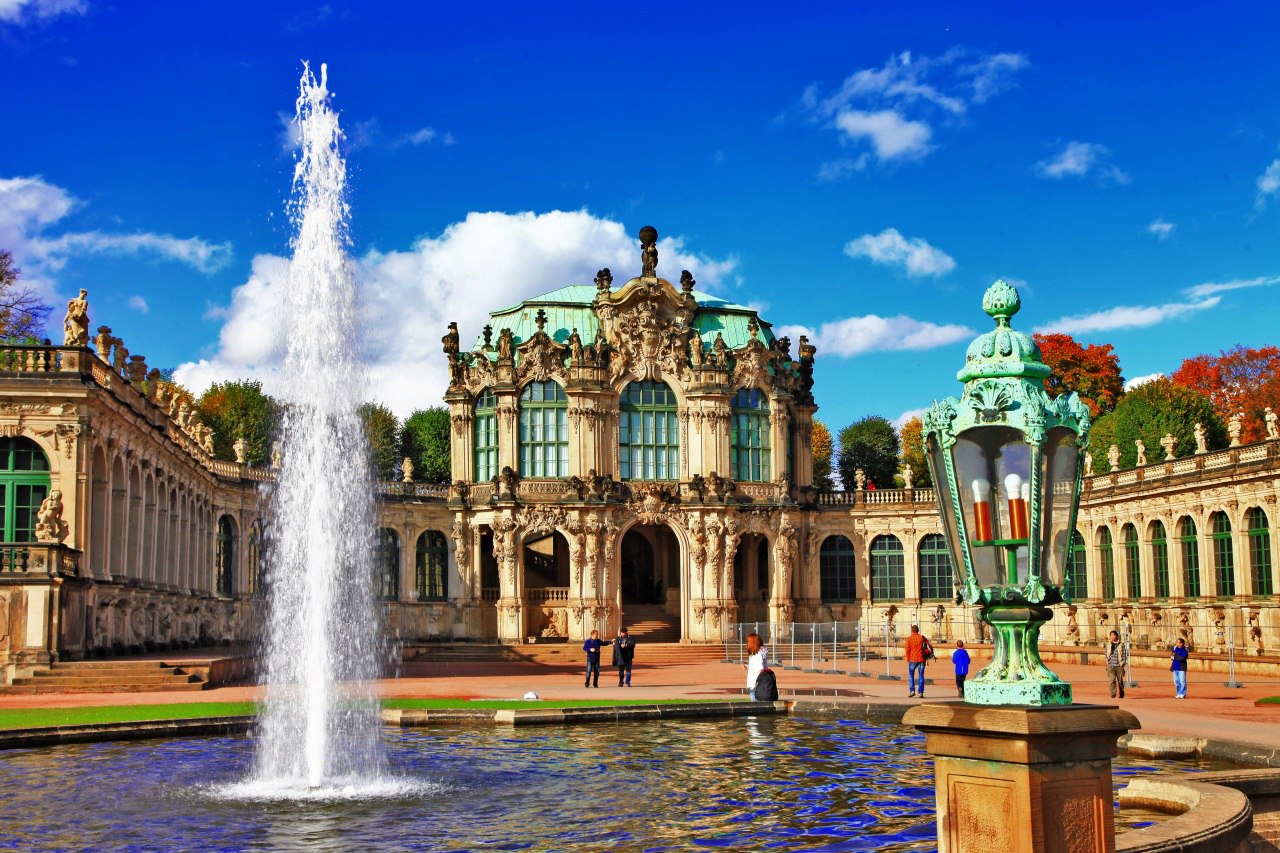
[649, 583]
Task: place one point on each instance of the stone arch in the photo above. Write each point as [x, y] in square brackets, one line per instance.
[148, 521]
[133, 525]
[119, 513]
[99, 512]
[753, 574]
[674, 571]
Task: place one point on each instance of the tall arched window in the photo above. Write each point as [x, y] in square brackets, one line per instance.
[1160, 558]
[544, 430]
[224, 557]
[749, 436]
[937, 579]
[836, 570]
[486, 436]
[1108, 564]
[24, 484]
[1132, 565]
[1190, 558]
[256, 566]
[1259, 550]
[432, 567]
[386, 563]
[648, 433]
[1224, 564]
[1078, 567]
[888, 582]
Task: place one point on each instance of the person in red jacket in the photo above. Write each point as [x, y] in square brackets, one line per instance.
[915, 661]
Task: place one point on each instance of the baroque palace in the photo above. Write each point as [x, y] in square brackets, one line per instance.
[618, 452]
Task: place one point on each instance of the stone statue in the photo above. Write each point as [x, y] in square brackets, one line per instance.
[695, 349]
[906, 475]
[1113, 457]
[719, 352]
[184, 414]
[1273, 424]
[49, 524]
[1088, 464]
[450, 341]
[241, 449]
[153, 384]
[206, 439]
[1202, 445]
[575, 346]
[687, 282]
[103, 341]
[604, 280]
[1169, 443]
[121, 359]
[75, 327]
[506, 345]
[648, 252]
[1235, 424]
[277, 455]
[406, 468]
[1142, 452]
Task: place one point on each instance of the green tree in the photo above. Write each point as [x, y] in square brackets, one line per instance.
[22, 313]
[382, 429]
[821, 445]
[912, 437]
[1147, 413]
[236, 410]
[872, 445]
[424, 438]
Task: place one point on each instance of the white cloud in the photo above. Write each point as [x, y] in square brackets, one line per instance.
[890, 248]
[870, 333]
[993, 74]
[486, 262]
[1210, 288]
[1127, 317]
[1161, 229]
[1130, 384]
[838, 170]
[1080, 160]
[137, 303]
[892, 135]
[909, 414]
[1268, 184]
[25, 11]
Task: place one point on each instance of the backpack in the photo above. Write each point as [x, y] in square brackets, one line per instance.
[926, 648]
[766, 686]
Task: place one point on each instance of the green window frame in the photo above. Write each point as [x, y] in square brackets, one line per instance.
[648, 433]
[1160, 559]
[749, 436]
[24, 484]
[253, 555]
[486, 436]
[1190, 558]
[1078, 566]
[1132, 559]
[937, 577]
[1259, 531]
[888, 573]
[1107, 554]
[1224, 564]
[432, 564]
[544, 430]
[386, 563]
[224, 557]
[837, 571]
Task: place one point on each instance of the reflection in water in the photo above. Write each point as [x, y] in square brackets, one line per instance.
[742, 784]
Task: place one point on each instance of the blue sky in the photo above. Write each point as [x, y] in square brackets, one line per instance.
[862, 171]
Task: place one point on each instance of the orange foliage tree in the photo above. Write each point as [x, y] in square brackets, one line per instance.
[1243, 379]
[1093, 372]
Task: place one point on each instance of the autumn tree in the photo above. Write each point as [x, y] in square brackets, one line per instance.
[382, 429]
[872, 445]
[424, 438]
[820, 443]
[235, 410]
[911, 437]
[1092, 371]
[1243, 379]
[1147, 413]
[22, 313]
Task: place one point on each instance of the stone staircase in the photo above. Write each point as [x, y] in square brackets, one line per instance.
[113, 676]
[649, 623]
[558, 653]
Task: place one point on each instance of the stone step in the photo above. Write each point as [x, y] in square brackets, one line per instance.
[110, 663]
[66, 681]
[104, 672]
[20, 689]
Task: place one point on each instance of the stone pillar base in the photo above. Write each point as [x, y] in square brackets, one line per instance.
[1011, 778]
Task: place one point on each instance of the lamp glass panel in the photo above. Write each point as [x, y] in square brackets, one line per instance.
[938, 468]
[1059, 465]
[993, 468]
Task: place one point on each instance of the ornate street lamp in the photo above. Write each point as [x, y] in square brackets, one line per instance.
[1007, 464]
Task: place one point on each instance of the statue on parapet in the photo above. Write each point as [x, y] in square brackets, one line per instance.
[1202, 443]
[604, 281]
[1142, 452]
[1169, 443]
[75, 326]
[648, 252]
[1235, 426]
[450, 341]
[49, 524]
[1273, 424]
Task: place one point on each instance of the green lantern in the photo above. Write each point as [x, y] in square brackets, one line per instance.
[1007, 463]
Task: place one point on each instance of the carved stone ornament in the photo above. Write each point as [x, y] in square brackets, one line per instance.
[650, 502]
[49, 524]
[542, 518]
[541, 358]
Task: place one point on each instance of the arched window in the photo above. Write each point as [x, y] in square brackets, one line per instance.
[1160, 558]
[1190, 558]
[749, 436]
[836, 570]
[648, 433]
[1259, 550]
[224, 557]
[1108, 564]
[24, 484]
[1224, 569]
[254, 553]
[937, 579]
[432, 565]
[544, 430]
[386, 564]
[887, 573]
[1132, 566]
[486, 436]
[1078, 567]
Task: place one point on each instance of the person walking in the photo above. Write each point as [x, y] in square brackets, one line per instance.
[1116, 656]
[624, 652]
[592, 647]
[960, 659]
[915, 661]
[1179, 668]
[757, 662]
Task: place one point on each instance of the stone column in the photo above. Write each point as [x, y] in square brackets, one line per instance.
[1034, 779]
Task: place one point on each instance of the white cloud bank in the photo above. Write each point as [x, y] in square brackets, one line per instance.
[1268, 184]
[1161, 229]
[486, 262]
[854, 336]
[890, 248]
[25, 11]
[1082, 160]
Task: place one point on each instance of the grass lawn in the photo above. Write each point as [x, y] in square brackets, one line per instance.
[1268, 700]
[35, 718]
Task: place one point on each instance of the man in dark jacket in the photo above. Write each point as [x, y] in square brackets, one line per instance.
[592, 648]
[624, 652]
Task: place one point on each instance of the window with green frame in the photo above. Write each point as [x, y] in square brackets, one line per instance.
[1259, 550]
[888, 576]
[24, 484]
[486, 436]
[256, 566]
[432, 566]
[224, 557]
[544, 430]
[1079, 568]
[386, 563]
[1132, 564]
[1224, 568]
[836, 570]
[1190, 558]
[1108, 564]
[937, 579]
[1160, 558]
[648, 433]
[749, 436]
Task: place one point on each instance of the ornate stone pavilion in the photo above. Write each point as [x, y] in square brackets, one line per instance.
[620, 454]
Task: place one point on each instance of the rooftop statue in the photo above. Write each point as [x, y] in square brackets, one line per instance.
[76, 325]
[450, 341]
[648, 252]
[604, 280]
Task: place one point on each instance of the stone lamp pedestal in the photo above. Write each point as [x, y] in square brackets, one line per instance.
[1021, 778]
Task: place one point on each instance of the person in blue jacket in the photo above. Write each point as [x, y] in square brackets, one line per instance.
[1179, 668]
[960, 659]
[592, 647]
